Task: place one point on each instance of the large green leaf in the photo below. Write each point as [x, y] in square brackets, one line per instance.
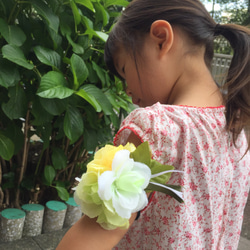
[100, 72]
[62, 193]
[9, 75]
[76, 14]
[79, 70]
[48, 56]
[73, 124]
[59, 159]
[56, 38]
[77, 48]
[53, 85]
[103, 36]
[6, 147]
[41, 115]
[100, 97]
[46, 12]
[17, 106]
[15, 134]
[90, 139]
[90, 99]
[12, 34]
[101, 15]
[86, 3]
[53, 106]
[16, 55]
[44, 132]
[87, 22]
[108, 3]
[49, 174]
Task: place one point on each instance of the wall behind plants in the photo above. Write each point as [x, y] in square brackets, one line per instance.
[54, 86]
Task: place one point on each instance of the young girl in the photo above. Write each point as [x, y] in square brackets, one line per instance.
[163, 50]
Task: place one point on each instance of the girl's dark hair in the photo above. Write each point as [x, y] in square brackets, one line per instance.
[192, 18]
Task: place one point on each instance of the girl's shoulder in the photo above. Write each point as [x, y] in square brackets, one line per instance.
[168, 119]
[176, 112]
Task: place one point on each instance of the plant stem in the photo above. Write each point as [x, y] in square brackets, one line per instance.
[67, 146]
[12, 12]
[1, 191]
[82, 159]
[7, 197]
[25, 158]
[37, 72]
[75, 147]
[38, 163]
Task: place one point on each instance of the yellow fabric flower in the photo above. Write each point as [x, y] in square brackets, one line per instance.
[103, 158]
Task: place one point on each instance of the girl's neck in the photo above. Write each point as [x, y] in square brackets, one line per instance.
[195, 86]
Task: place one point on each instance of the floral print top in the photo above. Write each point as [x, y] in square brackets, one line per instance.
[215, 181]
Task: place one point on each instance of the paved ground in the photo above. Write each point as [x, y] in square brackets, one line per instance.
[51, 240]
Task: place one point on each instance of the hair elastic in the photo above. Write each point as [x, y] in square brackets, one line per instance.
[217, 29]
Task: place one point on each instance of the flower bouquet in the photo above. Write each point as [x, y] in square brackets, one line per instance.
[116, 183]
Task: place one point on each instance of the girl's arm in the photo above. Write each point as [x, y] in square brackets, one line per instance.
[87, 234]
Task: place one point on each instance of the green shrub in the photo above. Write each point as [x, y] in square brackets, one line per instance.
[58, 102]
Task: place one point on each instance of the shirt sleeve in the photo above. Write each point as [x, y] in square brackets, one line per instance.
[143, 122]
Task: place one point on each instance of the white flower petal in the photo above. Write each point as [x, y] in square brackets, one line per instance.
[143, 170]
[105, 182]
[127, 200]
[142, 203]
[119, 158]
[120, 210]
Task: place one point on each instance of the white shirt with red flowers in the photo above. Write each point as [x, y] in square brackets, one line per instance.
[215, 181]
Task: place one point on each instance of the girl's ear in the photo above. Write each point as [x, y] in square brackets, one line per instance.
[162, 33]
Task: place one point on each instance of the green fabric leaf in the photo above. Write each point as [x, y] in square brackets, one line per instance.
[73, 124]
[59, 159]
[155, 187]
[9, 75]
[49, 174]
[142, 154]
[157, 167]
[46, 12]
[53, 85]
[90, 99]
[16, 107]
[6, 147]
[16, 55]
[62, 193]
[12, 34]
[48, 56]
[79, 70]
[100, 98]
[86, 3]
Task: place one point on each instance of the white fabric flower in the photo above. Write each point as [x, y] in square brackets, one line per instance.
[125, 184]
